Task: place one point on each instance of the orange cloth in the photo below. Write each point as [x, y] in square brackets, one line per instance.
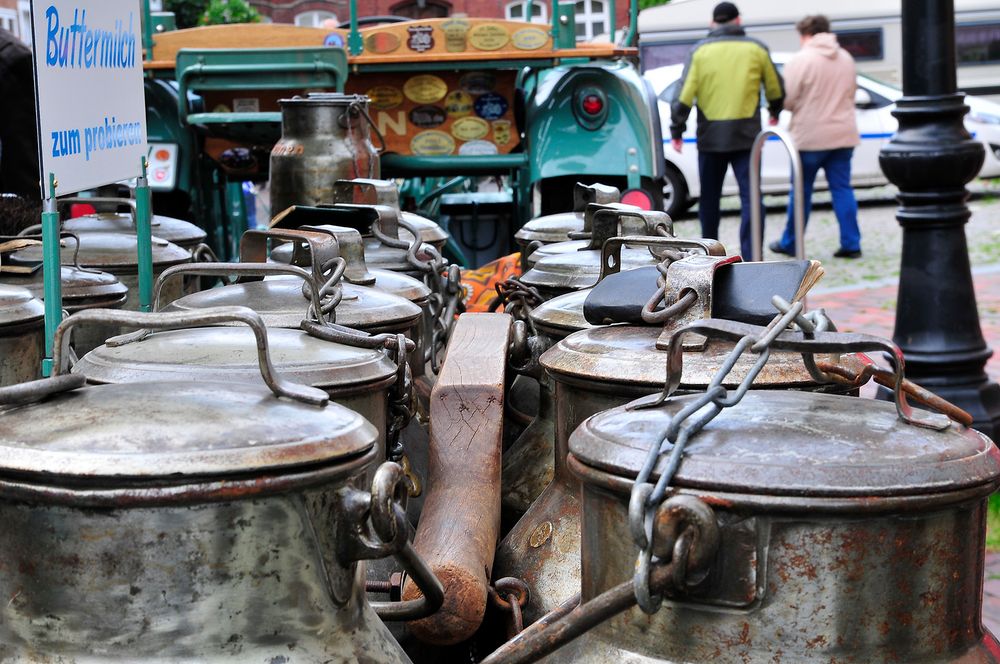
[480, 284]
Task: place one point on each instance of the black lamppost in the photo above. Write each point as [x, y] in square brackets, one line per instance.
[931, 159]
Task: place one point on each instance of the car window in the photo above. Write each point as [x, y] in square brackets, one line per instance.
[668, 92]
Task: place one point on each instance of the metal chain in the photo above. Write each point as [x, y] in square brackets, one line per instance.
[517, 298]
[646, 497]
[650, 314]
[510, 595]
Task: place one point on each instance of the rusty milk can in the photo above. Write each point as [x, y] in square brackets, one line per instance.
[137, 511]
[324, 138]
[558, 227]
[600, 368]
[22, 335]
[799, 527]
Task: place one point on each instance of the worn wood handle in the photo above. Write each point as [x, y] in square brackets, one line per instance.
[460, 521]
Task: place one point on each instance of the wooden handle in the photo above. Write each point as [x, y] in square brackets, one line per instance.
[460, 521]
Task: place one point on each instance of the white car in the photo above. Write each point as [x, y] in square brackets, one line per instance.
[875, 102]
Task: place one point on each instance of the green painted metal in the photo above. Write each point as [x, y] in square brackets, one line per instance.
[612, 11]
[632, 174]
[147, 30]
[354, 42]
[236, 213]
[51, 273]
[555, 22]
[144, 239]
[200, 70]
[565, 21]
[633, 24]
[557, 145]
[414, 166]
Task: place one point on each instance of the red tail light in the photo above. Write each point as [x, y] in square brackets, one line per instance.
[638, 198]
[592, 104]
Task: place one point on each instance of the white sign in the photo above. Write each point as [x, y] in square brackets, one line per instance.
[88, 79]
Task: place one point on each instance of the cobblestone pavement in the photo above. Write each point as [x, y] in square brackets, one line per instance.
[860, 294]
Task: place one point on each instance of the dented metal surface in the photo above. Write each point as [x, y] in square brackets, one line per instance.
[22, 335]
[847, 535]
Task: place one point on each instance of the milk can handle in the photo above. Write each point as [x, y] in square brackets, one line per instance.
[611, 252]
[184, 319]
[810, 343]
[609, 222]
[366, 191]
[600, 194]
[245, 270]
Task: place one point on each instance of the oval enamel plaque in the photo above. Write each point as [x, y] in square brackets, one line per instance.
[425, 89]
[470, 129]
[488, 37]
[432, 143]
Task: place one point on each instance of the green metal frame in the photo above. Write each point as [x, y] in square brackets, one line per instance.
[202, 70]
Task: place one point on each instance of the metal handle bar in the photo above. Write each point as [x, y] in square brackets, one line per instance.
[611, 253]
[756, 231]
[181, 319]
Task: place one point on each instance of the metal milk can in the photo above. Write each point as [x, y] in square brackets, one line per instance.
[108, 220]
[22, 335]
[798, 526]
[579, 240]
[194, 521]
[324, 138]
[558, 227]
[286, 302]
[358, 373]
[114, 253]
[579, 266]
[365, 191]
[600, 368]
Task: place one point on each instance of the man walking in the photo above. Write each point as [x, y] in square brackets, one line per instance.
[723, 75]
[820, 82]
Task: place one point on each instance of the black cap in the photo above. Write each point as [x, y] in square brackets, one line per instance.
[725, 12]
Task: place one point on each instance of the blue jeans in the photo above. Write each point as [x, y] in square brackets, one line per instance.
[837, 166]
[712, 171]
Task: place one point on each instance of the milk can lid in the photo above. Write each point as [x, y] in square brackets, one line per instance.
[791, 443]
[175, 430]
[18, 305]
[551, 228]
[627, 355]
[581, 269]
[562, 314]
[230, 354]
[107, 250]
[168, 228]
[281, 304]
[78, 285]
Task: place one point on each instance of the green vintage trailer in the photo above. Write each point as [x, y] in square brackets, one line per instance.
[452, 98]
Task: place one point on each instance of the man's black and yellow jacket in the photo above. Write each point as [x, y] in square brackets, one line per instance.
[723, 75]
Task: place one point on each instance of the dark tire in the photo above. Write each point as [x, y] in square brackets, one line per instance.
[675, 192]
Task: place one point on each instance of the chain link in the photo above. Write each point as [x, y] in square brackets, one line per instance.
[517, 299]
[646, 497]
[650, 314]
[510, 595]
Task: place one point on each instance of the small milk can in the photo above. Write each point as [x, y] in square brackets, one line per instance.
[22, 335]
[579, 267]
[324, 138]
[559, 227]
[600, 368]
[823, 529]
[193, 521]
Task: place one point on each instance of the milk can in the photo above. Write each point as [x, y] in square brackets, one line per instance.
[365, 191]
[108, 220]
[22, 335]
[582, 240]
[580, 266]
[286, 302]
[798, 526]
[324, 138]
[558, 227]
[357, 373]
[600, 368]
[194, 521]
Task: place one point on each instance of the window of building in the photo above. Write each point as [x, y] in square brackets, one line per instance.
[314, 19]
[977, 43]
[662, 54]
[515, 11]
[8, 20]
[862, 44]
[421, 9]
[24, 16]
[591, 18]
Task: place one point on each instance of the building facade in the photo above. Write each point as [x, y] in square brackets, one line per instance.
[592, 16]
[15, 16]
